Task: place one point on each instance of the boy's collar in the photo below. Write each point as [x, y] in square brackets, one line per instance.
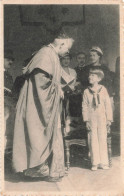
[93, 91]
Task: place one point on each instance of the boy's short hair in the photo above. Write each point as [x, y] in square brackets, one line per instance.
[98, 72]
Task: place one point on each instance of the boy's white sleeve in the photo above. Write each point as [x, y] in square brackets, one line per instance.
[85, 111]
[108, 106]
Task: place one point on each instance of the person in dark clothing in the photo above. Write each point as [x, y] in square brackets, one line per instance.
[81, 60]
[8, 100]
[116, 84]
[8, 80]
[75, 105]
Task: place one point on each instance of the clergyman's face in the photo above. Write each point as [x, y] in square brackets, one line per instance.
[81, 60]
[65, 47]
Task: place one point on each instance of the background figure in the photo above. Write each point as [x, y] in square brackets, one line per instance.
[8, 101]
[75, 104]
[116, 84]
[68, 81]
[38, 143]
[81, 63]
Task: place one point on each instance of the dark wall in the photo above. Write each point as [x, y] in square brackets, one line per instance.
[101, 27]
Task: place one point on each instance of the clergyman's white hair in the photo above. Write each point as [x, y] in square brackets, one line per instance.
[68, 41]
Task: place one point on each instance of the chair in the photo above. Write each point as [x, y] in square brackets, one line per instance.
[68, 143]
[79, 137]
[109, 149]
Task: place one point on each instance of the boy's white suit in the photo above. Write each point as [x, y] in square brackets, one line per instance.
[97, 117]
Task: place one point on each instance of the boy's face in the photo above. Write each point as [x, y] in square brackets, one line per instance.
[93, 78]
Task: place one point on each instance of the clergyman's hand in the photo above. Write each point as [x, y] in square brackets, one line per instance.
[61, 93]
[88, 127]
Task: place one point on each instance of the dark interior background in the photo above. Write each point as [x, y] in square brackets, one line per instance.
[100, 26]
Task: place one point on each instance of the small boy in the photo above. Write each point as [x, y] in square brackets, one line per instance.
[97, 113]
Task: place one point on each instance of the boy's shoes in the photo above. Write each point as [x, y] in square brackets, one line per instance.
[94, 168]
[105, 167]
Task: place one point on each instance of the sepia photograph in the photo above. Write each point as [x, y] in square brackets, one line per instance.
[61, 89]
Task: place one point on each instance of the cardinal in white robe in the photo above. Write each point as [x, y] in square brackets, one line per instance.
[38, 144]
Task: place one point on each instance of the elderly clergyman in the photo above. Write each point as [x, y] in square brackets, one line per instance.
[38, 144]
